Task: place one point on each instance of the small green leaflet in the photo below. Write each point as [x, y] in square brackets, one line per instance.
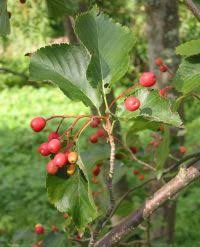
[71, 196]
[4, 18]
[58, 8]
[187, 78]
[108, 42]
[65, 65]
[153, 108]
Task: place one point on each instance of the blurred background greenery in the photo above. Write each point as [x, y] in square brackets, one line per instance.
[23, 200]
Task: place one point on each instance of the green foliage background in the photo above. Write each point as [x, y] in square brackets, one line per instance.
[23, 198]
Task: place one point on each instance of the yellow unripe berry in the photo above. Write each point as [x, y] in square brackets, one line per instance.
[72, 157]
[71, 169]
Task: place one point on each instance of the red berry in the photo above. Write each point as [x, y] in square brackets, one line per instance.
[37, 124]
[182, 149]
[136, 172]
[72, 157]
[39, 229]
[132, 103]
[147, 79]
[100, 132]
[54, 146]
[141, 177]
[93, 138]
[53, 135]
[43, 149]
[60, 160]
[54, 229]
[95, 122]
[134, 150]
[51, 168]
[163, 68]
[96, 170]
[35, 245]
[159, 61]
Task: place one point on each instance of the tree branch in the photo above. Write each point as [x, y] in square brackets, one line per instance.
[194, 7]
[184, 177]
[10, 71]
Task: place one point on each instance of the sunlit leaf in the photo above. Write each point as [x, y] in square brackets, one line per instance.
[154, 108]
[108, 42]
[66, 66]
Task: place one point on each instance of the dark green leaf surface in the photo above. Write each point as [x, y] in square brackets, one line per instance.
[56, 240]
[108, 42]
[187, 78]
[65, 66]
[71, 196]
[153, 108]
[189, 48]
[58, 8]
[162, 151]
[4, 18]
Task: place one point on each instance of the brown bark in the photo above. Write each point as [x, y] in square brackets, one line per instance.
[166, 192]
[163, 37]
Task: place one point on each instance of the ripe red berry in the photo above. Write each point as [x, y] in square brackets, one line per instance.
[54, 229]
[43, 149]
[96, 170]
[93, 138]
[132, 103]
[101, 132]
[37, 124]
[51, 168]
[39, 229]
[60, 160]
[54, 146]
[72, 157]
[159, 61]
[53, 135]
[95, 122]
[163, 68]
[134, 150]
[182, 149]
[147, 79]
[141, 177]
[136, 172]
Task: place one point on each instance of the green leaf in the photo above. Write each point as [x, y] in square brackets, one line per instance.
[90, 157]
[140, 124]
[56, 239]
[66, 66]
[187, 77]
[4, 18]
[162, 152]
[189, 48]
[108, 42]
[71, 196]
[58, 8]
[154, 108]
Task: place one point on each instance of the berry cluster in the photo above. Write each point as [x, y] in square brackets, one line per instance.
[162, 67]
[147, 79]
[100, 133]
[53, 147]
